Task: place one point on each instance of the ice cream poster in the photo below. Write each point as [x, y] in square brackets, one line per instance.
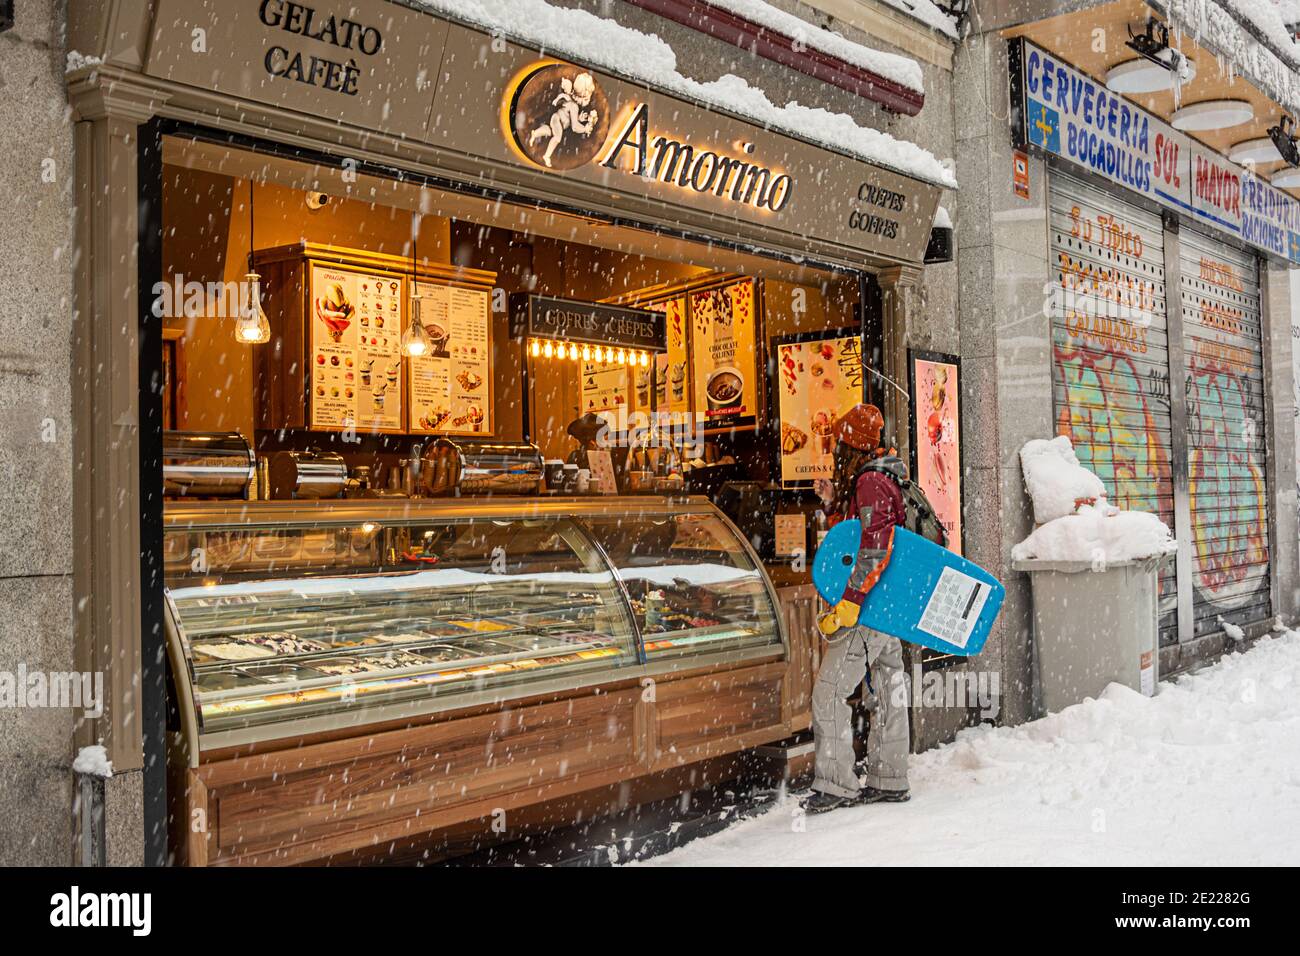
[356, 359]
[724, 373]
[936, 439]
[818, 380]
[663, 385]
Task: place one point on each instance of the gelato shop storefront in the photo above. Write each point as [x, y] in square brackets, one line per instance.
[475, 398]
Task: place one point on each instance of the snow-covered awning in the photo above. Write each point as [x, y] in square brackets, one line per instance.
[583, 36]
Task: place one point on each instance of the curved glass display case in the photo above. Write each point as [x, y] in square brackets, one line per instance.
[290, 617]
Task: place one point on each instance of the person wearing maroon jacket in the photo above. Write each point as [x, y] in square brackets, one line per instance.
[861, 489]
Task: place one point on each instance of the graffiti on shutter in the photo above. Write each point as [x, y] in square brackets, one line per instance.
[1225, 408]
[1110, 359]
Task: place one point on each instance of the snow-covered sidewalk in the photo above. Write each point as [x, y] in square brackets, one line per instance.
[1206, 773]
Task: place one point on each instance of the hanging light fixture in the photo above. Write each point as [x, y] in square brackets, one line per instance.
[252, 327]
[415, 341]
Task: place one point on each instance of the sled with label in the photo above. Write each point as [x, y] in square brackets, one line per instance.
[927, 595]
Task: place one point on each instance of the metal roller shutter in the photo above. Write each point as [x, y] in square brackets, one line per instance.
[1110, 359]
[1225, 422]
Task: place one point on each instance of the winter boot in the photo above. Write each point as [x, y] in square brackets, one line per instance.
[872, 795]
[819, 802]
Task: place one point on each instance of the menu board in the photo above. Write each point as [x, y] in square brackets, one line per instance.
[819, 380]
[605, 389]
[451, 386]
[936, 392]
[356, 349]
[724, 368]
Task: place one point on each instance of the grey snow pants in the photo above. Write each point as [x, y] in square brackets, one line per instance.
[844, 664]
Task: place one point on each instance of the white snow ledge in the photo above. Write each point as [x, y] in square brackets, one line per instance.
[1272, 66]
[646, 58]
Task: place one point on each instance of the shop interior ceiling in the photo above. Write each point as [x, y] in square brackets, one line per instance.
[568, 227]
[1072, 37]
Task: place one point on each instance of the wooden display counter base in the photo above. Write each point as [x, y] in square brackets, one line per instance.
[464, 781]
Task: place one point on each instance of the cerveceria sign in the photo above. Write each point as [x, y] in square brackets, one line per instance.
[572, 320]
[349, 37]
[558, 117]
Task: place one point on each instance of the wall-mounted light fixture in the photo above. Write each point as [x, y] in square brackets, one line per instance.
[1284, 140]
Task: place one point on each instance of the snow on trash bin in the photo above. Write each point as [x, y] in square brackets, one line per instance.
[1095, 574]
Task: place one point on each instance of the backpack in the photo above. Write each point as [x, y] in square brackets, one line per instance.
[920, 517]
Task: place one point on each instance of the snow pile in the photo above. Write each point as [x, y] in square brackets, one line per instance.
[1207, 771]
[1075, 522]
[77, 61]
[1099, 533]
[646, 58]
[1270, 65]
[1232, 630]
[900, 69]
[929, 14]
[93, 761]
[941, 219]
[1056, 481]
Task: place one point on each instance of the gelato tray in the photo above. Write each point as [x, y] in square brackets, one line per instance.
[224, 680]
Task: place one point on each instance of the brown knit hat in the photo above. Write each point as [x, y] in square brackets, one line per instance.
[860, 427]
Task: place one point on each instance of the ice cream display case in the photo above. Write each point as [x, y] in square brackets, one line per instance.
[287, 619]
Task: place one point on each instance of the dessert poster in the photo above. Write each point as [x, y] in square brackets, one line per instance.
[451, 386]
[669, 368]
[356, 350]
[818, 381]
[604, 389]
[724, 371]
[935, 397]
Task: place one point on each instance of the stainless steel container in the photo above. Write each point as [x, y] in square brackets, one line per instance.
[449, 466]
[307, 474]
[207, 465]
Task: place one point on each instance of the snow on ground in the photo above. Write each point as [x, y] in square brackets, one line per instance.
[1205, 773]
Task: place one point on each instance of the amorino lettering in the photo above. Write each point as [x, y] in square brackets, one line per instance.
[688, 166]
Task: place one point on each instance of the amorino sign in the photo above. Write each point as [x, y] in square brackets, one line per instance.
[499, 116]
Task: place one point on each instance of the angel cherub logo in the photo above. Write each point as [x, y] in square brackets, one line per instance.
[559, 116]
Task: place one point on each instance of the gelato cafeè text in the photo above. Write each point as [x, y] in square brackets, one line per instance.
[336, 74]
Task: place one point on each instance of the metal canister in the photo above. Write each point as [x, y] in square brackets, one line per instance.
[207, 465]
[307, 474]
[481, 468]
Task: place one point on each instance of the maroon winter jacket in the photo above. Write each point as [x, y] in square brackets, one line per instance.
[878, 504]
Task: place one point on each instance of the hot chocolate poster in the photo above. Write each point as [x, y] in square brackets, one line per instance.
[935, 398]
[724, 374]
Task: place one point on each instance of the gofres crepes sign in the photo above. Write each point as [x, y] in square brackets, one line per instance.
[1067, 114]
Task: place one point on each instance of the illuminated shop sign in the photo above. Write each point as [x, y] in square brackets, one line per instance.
[1065, 113]
[349, 37]
[596, 323]
[558, 117]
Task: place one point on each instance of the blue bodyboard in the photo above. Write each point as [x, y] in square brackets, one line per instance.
[927, 595]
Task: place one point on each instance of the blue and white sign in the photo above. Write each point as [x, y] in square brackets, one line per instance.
[1067, 114]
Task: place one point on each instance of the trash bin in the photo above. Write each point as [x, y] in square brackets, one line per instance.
[1094, 624]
